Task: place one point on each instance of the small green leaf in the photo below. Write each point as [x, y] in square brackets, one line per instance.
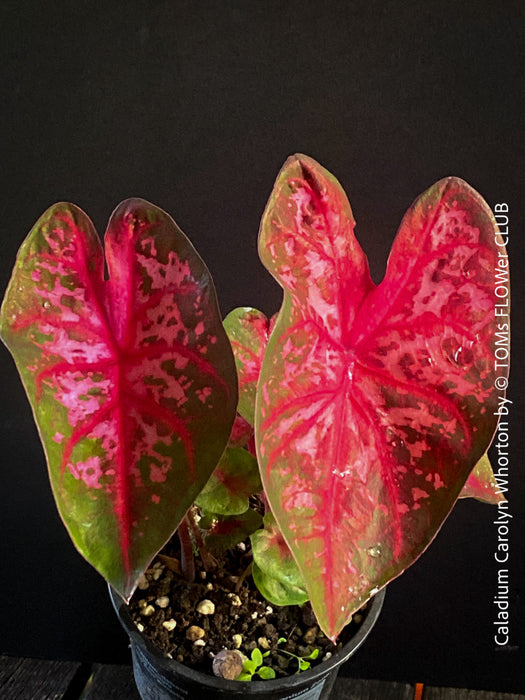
[275, 572]
[250, 666]
[276, 591]
[234, 480]
[244, 677]
[303, 665]
[266, 673]
[313, 655]
[257, 657]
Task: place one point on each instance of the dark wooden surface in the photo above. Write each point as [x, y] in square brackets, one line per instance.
[455, 694]
[33, 679]
[110, 683]
[350, 689]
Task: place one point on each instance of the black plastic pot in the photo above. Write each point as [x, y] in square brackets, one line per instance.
[160, 678]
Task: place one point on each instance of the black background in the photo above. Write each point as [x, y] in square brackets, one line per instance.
[195, 106]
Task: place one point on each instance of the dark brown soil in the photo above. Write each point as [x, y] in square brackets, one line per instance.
[233, 615]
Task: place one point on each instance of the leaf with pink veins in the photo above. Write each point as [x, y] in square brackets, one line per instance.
[131, 379]
[374, 402]
[248, 330]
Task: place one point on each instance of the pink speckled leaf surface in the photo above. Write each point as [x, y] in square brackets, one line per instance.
[131, 379]
[248, 330]
[374, 402]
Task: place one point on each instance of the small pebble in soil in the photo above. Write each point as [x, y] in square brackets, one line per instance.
[194, 632]
[148, 610]
[206, 607]
[157, 570]
[263, 643]
[163, 601]
[310, 635]
[169, 624]
[228, 664]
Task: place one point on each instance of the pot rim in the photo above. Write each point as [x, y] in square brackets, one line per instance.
[310, 676]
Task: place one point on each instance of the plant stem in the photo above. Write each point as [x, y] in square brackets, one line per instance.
[208, 560]
[247, 571]
[187, 562]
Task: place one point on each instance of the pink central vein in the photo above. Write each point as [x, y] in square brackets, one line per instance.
[363, 409]
[122, 499]
[111, 367]
[329, 498]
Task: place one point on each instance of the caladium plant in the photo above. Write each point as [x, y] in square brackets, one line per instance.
[364, 410]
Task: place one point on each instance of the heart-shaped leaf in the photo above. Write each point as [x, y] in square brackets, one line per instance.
[248, 330]
[374, 402]
[131, 379]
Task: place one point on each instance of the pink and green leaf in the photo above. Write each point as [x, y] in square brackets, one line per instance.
[242, 432]
[248, 331]
[482, 485]
[374, 402]
[275, 571]
[224, 532]
[234, 480]
[131, 378]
